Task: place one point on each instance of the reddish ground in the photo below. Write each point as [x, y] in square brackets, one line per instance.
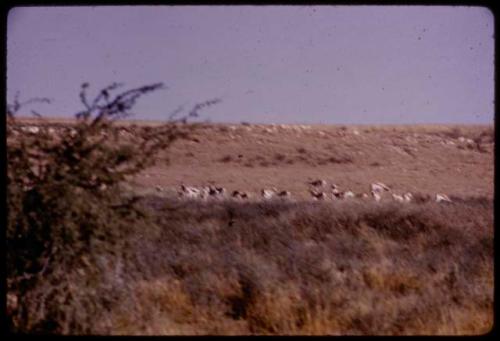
[417, 158]
[427, 159]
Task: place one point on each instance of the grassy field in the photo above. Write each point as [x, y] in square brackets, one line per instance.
[311, 268]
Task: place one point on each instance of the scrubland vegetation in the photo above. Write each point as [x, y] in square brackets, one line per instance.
[313, 268]
[85, 256]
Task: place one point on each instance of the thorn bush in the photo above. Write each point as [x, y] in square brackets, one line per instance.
[68, 218]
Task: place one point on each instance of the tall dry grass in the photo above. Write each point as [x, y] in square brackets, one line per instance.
[313, 269]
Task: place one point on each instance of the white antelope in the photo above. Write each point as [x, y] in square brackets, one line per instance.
[318, 195]
[239, 195]
[398, 197]
[190, 192]
[348, 194]
[284, 194]
[204, 193]
[442, 198]
[216, 192]
[376, 196]
[335, 191]
[407, 197]
[268, 193]
[379, 187]
[318, 183]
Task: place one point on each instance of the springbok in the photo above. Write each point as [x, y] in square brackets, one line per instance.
[335, 191]
[376, 196]
[216, 192]
[348, 194]
[284, 194]
[398, 197]
[317, 183]
[377, 189]
[239, 195]
[407, 197]
[318, 195]
[442, 198]
[268, 193]
[190, 192]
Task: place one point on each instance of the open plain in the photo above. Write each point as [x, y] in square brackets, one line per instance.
[456, 160]
[298, 266]
[428, 159]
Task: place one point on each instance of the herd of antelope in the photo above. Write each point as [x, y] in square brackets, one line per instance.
[319, 190]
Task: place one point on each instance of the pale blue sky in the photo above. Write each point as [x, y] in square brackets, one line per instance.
[269, 64]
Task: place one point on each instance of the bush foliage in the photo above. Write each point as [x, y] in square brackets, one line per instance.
[67, 216]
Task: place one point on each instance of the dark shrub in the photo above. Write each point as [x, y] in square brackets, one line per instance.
[68, 219]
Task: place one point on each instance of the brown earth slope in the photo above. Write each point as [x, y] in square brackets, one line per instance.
[456, 160]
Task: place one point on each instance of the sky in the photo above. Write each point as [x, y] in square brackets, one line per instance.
[268, 64]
